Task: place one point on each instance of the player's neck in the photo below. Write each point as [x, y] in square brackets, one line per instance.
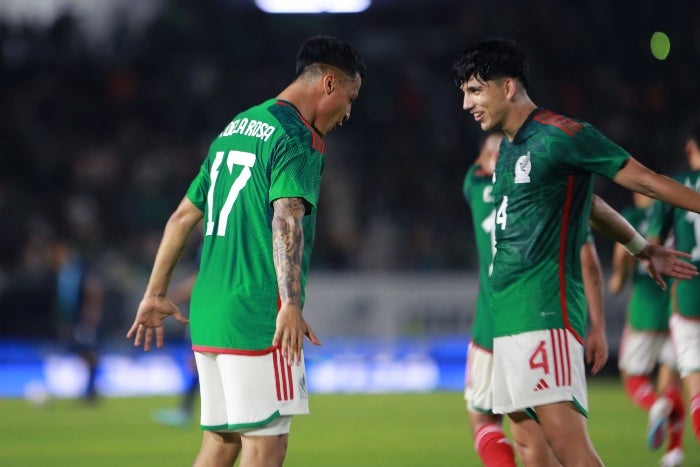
[305, 100]
[517, 116]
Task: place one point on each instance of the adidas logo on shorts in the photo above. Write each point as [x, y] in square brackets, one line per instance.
[541, 384]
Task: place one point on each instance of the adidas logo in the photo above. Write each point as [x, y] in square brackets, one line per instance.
[542, 384]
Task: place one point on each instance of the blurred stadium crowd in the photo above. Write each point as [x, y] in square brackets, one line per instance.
[100, 139]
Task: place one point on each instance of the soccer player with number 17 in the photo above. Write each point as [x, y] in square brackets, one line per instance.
[257, 193]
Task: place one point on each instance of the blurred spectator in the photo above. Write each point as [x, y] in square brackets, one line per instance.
[78, 306]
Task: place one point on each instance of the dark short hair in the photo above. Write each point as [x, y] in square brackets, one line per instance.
[491, 59]
[328, 50]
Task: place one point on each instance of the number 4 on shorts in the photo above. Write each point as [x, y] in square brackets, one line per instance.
[538, 359]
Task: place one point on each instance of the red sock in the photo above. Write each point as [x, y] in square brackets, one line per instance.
[695, 415]
[493, 447]
[641, 391]
[674, 394]
[675, 434]
[677, 419]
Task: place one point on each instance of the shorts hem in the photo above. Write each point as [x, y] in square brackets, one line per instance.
[479, 410]
[241, 426]
[524, 406]
[228, 351]
[530, 410]
[689, 372]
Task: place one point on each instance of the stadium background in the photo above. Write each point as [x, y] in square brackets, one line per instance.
[108, 109]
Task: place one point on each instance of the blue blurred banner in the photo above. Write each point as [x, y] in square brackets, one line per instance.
[342, 365]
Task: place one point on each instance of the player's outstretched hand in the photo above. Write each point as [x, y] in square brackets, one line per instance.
[661, 261]
[149, 317]
[290, 332]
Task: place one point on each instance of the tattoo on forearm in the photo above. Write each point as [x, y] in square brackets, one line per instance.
[288, 247]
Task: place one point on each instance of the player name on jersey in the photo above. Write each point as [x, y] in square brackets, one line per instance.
[254, 128]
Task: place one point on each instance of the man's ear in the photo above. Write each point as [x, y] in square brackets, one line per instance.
[511, 87]
[328, 83]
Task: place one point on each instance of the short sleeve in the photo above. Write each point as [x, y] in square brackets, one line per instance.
[197, 192]
[296, 171]
[594, 152]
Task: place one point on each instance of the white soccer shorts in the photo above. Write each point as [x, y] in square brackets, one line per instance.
[478, 385]
[253, 394]
[685, 334]
[538, 368]
[641, 351]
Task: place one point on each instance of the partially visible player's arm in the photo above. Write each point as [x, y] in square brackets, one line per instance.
[155, 306]
[596, 341]
[287, 253]
[637, 177]
[658, 259]
[622, 264]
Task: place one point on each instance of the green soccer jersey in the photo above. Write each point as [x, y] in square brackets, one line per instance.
[648, 307]
[542, 191]
[265, 153]
[477, 191]
[685, 298]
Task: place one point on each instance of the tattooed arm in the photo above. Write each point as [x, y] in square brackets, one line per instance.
[288, 249]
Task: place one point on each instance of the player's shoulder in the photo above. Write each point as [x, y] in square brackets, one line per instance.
[296, 130]
[557, 124]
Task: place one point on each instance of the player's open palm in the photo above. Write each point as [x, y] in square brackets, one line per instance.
[662, 261]
[290, 331]
[151, 313]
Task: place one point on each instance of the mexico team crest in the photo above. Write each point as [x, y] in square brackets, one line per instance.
[522, 169]
[303, 392]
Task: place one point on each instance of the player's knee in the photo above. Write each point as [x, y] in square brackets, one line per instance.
[536, 453]
[218, 449]
[568, 443]
[264, 451]
[478, 420]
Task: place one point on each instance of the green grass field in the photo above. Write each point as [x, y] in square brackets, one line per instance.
[428, 430]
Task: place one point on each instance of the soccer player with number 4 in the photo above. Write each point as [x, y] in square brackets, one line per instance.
[257, 192]
[490, 441]
[543, 193]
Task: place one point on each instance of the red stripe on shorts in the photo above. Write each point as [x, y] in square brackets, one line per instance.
[275, 355]
[562, 356]
[568, 358]
[283, 375]
[553, 336]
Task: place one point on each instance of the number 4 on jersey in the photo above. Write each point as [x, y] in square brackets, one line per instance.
[247, 160]
[501, 213]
